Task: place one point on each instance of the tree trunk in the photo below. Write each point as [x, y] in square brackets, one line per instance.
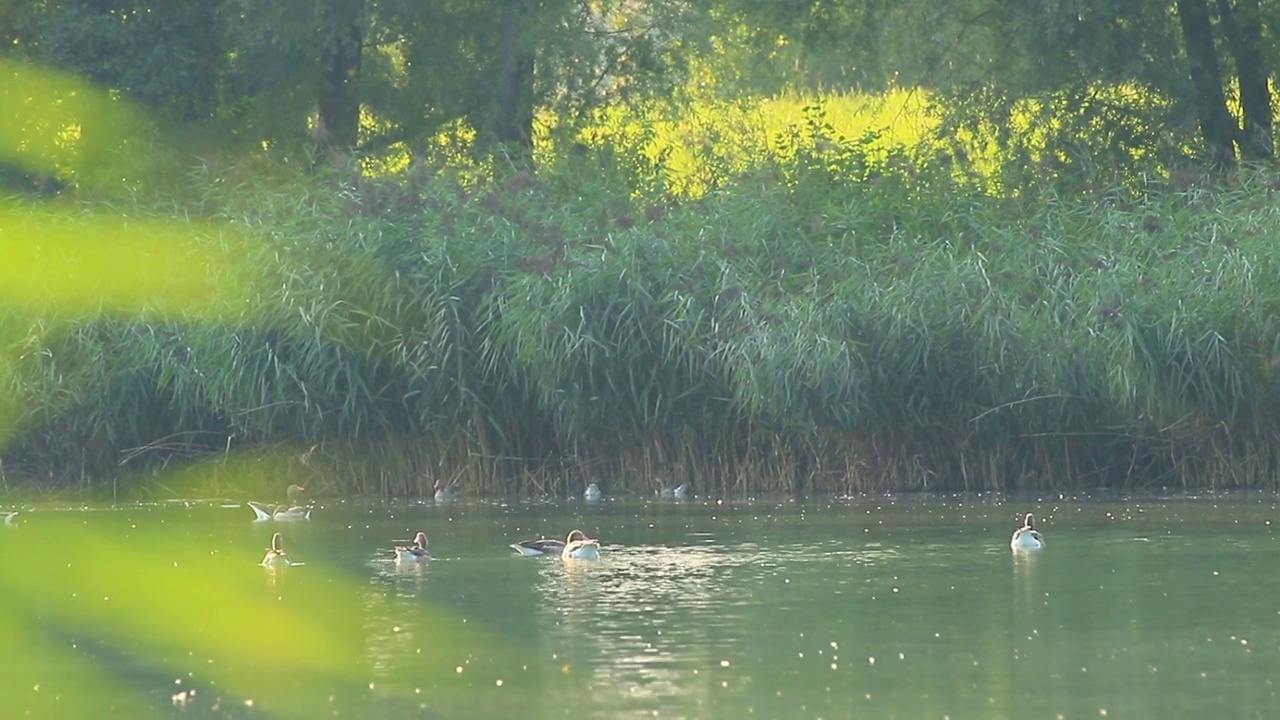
[341, 38]
[1217, 127]
[1243, 27]
[511, 125]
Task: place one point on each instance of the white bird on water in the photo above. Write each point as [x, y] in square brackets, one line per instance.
[580, 547]
[415, 552]
[276, 556]
[1027, 537]
[446, 493]
[289, 511]
[679, 492]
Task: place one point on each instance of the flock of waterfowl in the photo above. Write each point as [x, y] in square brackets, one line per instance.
[277, 557]
[576, 546]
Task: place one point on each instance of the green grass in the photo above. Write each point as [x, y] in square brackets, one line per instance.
[813, 305]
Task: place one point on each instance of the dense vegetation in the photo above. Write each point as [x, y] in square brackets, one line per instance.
[826, 321]
[982, 290]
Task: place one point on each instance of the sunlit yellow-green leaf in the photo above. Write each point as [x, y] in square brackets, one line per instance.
[175, 606]
[57, 124]
[44, 676]
[81, 590]
[81, 263]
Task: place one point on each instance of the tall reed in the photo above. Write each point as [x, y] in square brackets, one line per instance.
[837, 317]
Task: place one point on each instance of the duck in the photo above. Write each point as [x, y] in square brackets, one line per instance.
[415, 552]
[577, 546]
[445, 493]
[593, 493]
[280, 512]
[1027, 537]
[11, 518]
[679, 492]
[541, 546]
[291, 511]
[276, 556]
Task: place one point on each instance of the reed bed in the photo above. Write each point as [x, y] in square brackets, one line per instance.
[836, 318]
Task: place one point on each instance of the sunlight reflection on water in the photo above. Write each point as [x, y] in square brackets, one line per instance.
[888, 607]
[646, 616]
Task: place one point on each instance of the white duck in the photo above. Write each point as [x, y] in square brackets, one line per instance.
[291, 511]
[11, 518]
[679, 492]
[1027, 537]
[580, 547]
[446, 493]
[593, 493]
[276, 556]
[415, 552]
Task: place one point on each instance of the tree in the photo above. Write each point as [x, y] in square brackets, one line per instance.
[367, 75]
[509, 120]
[1195, 64]
[341, 52]
[160, 54]
[1065, 86]
[1242, 27]
[1210, 102]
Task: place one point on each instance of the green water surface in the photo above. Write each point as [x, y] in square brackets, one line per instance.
[882, 607]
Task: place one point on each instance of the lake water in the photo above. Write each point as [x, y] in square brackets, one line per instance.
[881, 607]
